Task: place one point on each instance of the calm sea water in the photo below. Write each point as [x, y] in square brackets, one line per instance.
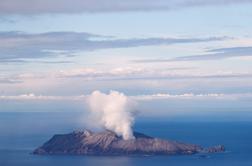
[22, 132]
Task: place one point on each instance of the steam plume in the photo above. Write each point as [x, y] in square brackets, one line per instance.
[114, 111]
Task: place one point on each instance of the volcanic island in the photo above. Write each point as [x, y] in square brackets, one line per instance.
[86, 142]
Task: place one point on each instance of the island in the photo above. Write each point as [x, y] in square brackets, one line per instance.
[108, 143]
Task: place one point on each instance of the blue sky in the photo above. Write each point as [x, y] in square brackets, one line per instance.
[53, 50]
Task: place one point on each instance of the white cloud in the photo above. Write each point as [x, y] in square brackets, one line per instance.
[32, 96]
[129, 72]
[162, 96]
[145, 97]
[134, 72]
[102, 73]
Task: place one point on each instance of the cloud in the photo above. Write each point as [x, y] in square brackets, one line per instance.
[193, 96]
[17, 46]
[20, 78]
[213, 54]
[32, 96]
[162, 96]
[9, 81]
[221, 53]
[26, 7]
[121, 73]
[136, 73]
[6, 20]
[20, 61]
[98, 73]
[144, 97]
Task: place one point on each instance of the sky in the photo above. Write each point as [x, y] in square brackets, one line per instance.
[177, 50]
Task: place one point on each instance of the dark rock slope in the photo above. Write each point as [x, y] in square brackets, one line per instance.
[108, 143]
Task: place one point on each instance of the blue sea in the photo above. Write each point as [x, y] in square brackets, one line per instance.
[21, 133]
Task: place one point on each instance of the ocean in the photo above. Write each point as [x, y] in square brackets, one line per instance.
[21, 133]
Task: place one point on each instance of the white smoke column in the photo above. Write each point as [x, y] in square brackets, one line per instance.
[114, 111]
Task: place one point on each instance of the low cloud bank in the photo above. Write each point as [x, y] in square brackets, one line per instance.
[146, 97]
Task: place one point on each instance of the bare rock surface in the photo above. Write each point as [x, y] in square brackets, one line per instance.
[108, 143]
